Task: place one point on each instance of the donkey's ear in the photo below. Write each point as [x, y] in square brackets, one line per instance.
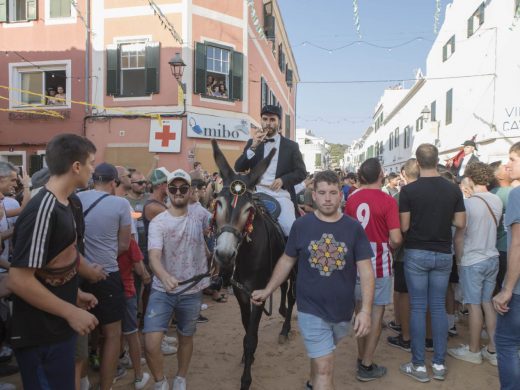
[260, 168]
[225, 169]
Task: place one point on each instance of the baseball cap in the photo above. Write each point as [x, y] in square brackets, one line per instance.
[470, 143]
[271, 109]
[179, 174]
[105, 172]
[159, 176]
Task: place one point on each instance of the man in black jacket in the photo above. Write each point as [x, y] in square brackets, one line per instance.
[469, 158]
[285, 170]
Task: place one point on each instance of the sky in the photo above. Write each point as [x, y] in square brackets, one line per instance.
[342, 112]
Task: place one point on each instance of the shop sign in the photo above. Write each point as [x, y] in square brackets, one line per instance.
[208, 126]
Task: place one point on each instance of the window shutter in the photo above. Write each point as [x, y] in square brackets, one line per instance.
[444, 52]
[113, 70]
[289, 77]
[470, 26]
[32, 9]
[200, 68]
[66, 8]
[236, 75]
[288, 126]
[55, 8]
[60, 8]
[269, 27]
[35, 163]
[3, 10]
[152, 65]
[481, 10]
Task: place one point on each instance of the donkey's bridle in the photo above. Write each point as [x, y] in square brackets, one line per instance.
[240, 235]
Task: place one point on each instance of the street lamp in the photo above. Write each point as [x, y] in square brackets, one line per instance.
[425, 113]
[177, 66]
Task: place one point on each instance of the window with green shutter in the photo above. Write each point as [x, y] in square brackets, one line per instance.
[218, 71]
[449, 106]
[3, 10]
[18, 10]
[133, 69]
[476, 20]
[60, 8]
[287, 126]
[433, 111]
[448, 49]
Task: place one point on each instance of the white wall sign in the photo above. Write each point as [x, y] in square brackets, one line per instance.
[208, 126]
[165, 136]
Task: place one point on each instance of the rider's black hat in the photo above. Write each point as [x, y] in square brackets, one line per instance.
[271, 109]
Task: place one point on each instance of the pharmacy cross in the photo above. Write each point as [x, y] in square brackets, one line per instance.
[165, 136]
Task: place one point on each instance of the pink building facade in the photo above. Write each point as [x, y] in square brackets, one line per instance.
[114, 55]
[43, 48]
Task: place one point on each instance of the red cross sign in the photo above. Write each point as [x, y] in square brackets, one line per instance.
[165, 136]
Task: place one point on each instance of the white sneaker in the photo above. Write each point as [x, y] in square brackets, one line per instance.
[169, 339]
[167, 349]
[463, 353]
[179, 383]
[490, 357]
[141, 383]
[162, 385]
[125, 361]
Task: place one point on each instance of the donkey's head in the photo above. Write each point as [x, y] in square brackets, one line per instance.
[234, 208]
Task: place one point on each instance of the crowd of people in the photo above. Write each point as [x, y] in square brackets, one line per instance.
[441, 239]
[75, 262]
[94, 258]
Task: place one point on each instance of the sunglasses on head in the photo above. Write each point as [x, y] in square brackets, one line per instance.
[140, 182]
[182, 189]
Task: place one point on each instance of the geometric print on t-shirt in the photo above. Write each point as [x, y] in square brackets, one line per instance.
[327, 255]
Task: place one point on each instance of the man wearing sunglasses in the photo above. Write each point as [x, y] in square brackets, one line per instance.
[177, 252]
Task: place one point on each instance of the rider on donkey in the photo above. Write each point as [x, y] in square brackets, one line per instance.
[285, 170]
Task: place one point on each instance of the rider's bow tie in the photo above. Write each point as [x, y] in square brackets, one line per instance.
[269, 140]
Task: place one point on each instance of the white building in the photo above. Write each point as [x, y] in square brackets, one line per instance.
[470, 89]
[313, 149]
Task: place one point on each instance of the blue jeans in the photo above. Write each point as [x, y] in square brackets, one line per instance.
[162, 305]
[507, 340]
[427, 276]
[48, 367]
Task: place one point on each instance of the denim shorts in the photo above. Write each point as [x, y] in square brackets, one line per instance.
[161, 307]
[319, 336]
[130, 318]
[382, 293]
[478, 281]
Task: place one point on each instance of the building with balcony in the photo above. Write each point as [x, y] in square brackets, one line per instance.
[44, 49]
[114, 58]
[468, 90]
[314, 150]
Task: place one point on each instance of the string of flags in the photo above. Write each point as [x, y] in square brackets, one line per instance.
[356, 17]
[436, 17]
[165, 23]
[45, 111]
[256, 21]
[80, 16]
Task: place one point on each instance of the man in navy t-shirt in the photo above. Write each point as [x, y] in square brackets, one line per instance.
[330, 249]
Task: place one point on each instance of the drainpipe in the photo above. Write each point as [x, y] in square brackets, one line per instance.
[87, 58]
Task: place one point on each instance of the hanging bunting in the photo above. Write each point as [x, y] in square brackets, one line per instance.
[437, 16]
[256, 21]
[356, 17]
